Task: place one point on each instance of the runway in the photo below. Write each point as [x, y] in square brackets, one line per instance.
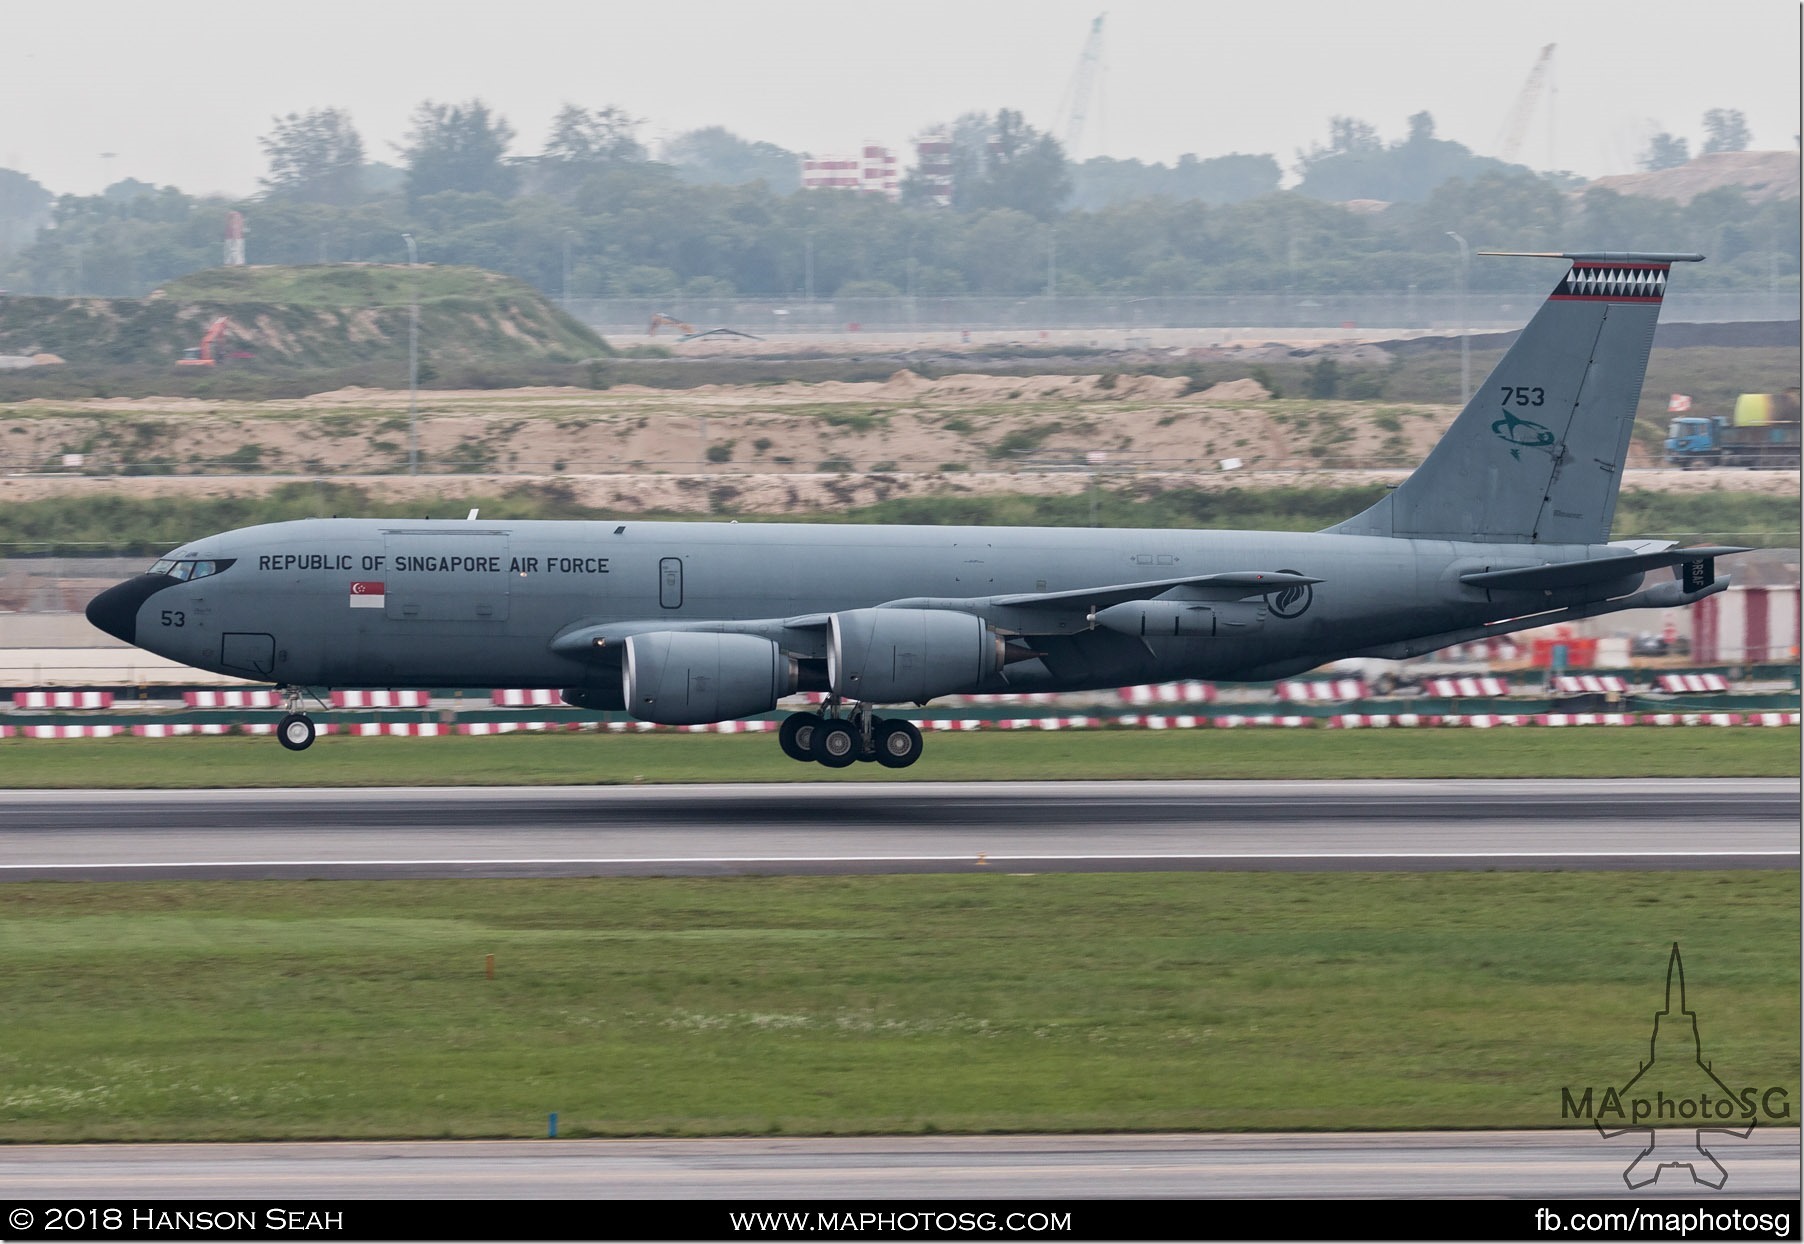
[798, 828]
[1572, 1163]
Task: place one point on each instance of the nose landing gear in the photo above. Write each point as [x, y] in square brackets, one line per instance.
[295, 731]
[836, 742]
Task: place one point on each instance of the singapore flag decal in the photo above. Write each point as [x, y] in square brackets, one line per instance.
[367, 596]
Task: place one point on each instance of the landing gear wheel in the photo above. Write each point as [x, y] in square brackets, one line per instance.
[835, 744]
[898, 744]
[295, 732]
[796, 735]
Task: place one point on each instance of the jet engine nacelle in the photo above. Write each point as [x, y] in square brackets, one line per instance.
[895, 656]
[685, 678]
[1184, 619]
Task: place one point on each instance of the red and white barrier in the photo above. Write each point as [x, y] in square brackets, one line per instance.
[380, 699]
[408, 729]
[232, 699]
[1468, 688]
[1581, 684]
[69, 732]
[1681, 684]
[1154, 721]
[1327, 691]
[1170, 693]
[62, 699]
[526, 697]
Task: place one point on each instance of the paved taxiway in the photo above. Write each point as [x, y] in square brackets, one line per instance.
[1578, 1162]
[843, 827]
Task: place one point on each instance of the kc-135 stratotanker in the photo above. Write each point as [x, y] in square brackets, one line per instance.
[1505, 526]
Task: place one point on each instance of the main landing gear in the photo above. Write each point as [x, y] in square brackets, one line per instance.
[828, 739]
[295, 731]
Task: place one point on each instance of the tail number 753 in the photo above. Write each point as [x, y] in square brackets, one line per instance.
[1523, 396]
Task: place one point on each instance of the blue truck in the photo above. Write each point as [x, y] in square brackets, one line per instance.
[1762, 433]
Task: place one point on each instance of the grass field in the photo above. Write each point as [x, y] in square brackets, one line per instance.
[871, 1004]
[610, 759]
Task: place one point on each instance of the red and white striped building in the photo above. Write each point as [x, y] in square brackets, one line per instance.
[872, 171]
[1745, 625]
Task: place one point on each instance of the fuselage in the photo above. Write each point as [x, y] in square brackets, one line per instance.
[396, 603]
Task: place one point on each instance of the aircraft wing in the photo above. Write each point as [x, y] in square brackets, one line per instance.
[1024, 613]
[1066, 612]
[1233, 585]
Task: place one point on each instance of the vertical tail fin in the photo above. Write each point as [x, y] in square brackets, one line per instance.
[1537, 454]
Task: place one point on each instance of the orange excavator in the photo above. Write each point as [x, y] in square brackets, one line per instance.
[660, 320]
[202, 355]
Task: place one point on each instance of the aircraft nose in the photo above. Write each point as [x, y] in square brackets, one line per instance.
[115, 610]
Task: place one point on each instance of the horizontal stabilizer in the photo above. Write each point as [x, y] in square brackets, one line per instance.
[1557, 575]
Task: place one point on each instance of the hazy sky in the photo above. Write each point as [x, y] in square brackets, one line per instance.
[180, 93]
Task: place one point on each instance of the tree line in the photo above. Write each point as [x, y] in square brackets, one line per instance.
[594, 214]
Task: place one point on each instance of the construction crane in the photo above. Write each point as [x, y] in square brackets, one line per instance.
[1516, 128]
[1078, 95]
[202, 355]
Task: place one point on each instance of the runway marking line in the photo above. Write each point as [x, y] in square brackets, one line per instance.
[936, 859]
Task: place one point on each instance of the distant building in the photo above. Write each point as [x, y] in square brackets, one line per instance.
[872, 171]
[933, 165]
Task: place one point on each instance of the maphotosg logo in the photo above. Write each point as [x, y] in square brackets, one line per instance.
[1675, 1100]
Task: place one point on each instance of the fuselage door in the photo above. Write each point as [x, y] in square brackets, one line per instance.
[670, 582]
[436, 575]
[247, 653]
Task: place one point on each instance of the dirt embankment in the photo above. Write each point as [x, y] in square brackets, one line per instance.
[754, 449]
[330, 316]
[904, 424]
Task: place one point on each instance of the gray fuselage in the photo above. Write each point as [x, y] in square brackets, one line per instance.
[481, 604]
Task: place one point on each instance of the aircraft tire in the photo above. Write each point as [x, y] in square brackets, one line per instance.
[295, 732]
[898, 744]
[835, 744]
[796, 735]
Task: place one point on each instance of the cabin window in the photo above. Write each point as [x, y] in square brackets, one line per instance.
[182, 570]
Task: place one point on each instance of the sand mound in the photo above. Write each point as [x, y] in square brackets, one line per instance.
[1236, 391]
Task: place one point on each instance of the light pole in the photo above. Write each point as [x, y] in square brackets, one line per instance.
[413, 359]
[1465, 359]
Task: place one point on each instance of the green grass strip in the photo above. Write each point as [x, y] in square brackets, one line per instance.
[683, 1007]
[614, 759]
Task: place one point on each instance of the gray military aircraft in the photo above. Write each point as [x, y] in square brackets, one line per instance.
[1505, 526]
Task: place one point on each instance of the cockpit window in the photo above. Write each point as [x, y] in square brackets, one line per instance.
[184, 569]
